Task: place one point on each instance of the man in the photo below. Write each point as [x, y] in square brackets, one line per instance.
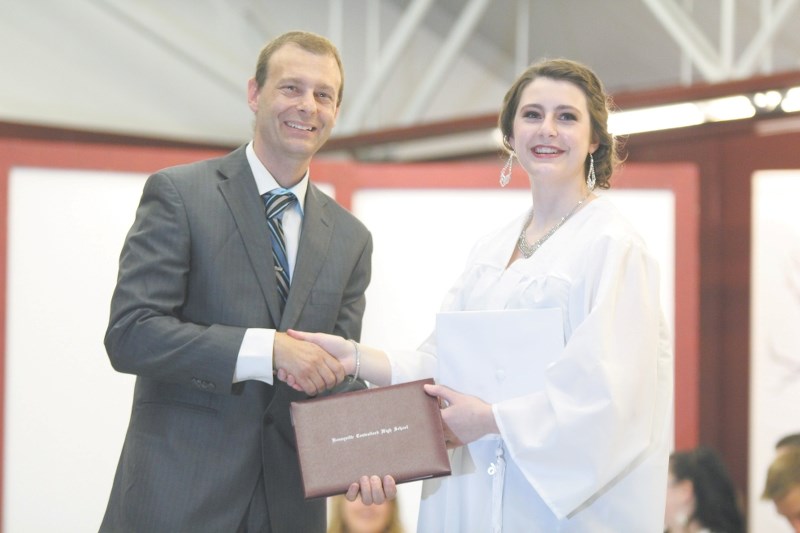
[783, 485]
[787, 442]
[198, 314]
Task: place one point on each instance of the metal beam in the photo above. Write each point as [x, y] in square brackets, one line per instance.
[727, 30]
[746, 64]
[765, 12]
[686, 71]
[522, 37]
[688, 36]
[394, 47]
[372, 36]
[444, 60]
[336, 22]
[192, 48]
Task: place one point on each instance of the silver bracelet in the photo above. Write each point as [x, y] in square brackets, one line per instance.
[358, 359]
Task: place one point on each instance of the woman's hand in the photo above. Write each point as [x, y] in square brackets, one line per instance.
[466, 418]
[373, 490]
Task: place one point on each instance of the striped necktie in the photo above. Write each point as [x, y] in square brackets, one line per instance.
[276, 203]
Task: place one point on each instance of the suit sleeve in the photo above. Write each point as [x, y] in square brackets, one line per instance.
[147, 335]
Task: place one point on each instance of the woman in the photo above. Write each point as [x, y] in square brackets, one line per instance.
[355, 517]
[701, 497]
[587, 451]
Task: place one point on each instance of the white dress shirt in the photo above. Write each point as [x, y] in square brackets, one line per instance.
[255, 353]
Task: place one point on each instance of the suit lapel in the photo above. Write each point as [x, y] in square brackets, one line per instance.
[241, 194]
[315, 239]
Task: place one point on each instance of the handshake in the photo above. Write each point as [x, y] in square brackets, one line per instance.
[317, 362]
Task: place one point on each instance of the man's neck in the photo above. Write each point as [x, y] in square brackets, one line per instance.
[287, 171]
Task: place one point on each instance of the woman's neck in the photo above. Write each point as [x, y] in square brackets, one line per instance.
[550, 204]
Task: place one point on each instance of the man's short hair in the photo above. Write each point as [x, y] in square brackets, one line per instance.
[310, 42]
[793, 439]
[783, 475]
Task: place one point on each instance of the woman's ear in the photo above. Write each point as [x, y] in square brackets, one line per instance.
[595, 144]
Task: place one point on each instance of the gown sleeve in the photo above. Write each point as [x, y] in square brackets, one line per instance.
[594, 420]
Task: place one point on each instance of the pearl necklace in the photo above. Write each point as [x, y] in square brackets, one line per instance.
[528, 249]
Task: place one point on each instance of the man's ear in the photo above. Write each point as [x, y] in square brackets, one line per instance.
[252, 94]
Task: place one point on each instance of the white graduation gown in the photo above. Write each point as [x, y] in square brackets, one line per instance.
[589, 452]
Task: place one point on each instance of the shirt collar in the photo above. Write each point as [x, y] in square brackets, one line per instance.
[266, 182]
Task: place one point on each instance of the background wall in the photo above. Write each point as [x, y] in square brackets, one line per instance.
[775, 341]
[67, 210]
[727, 156]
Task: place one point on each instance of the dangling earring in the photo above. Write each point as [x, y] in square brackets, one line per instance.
[505, 173]
[591, 179]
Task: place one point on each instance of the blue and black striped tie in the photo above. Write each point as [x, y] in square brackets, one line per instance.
[277, 202]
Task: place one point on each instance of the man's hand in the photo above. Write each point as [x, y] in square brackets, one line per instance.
[310, 368]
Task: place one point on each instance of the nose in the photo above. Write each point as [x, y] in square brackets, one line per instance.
[548, 127]
[306, 102]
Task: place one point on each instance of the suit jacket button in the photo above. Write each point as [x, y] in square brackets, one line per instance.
[268, 419]
[203, 384]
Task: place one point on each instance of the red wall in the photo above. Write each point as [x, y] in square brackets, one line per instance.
[726, 155]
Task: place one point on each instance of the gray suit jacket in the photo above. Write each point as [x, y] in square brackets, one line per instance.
[196, 271]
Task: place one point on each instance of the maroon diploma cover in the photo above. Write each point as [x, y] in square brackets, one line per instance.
[395, 430]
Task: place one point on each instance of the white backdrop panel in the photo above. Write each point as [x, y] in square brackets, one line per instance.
[774, 333]
[66, 408]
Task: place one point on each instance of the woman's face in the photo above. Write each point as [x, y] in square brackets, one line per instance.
[552, 130]
[362, 518]
[680, 503]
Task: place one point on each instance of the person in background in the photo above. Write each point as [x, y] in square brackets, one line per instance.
[587, 451]
[700, 495]
[783, 485]
[787, 442]
[224, 255]
[356, 517]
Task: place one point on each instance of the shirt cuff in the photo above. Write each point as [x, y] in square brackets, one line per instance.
[255, 356]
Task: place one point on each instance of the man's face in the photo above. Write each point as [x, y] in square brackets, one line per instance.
[296, 108]
[789, 507]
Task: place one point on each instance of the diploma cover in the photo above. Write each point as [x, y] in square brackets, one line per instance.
[497, 355]
[395, 430]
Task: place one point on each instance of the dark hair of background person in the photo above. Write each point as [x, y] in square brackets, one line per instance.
[716, 502]
[598, 102]
[309, 42]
